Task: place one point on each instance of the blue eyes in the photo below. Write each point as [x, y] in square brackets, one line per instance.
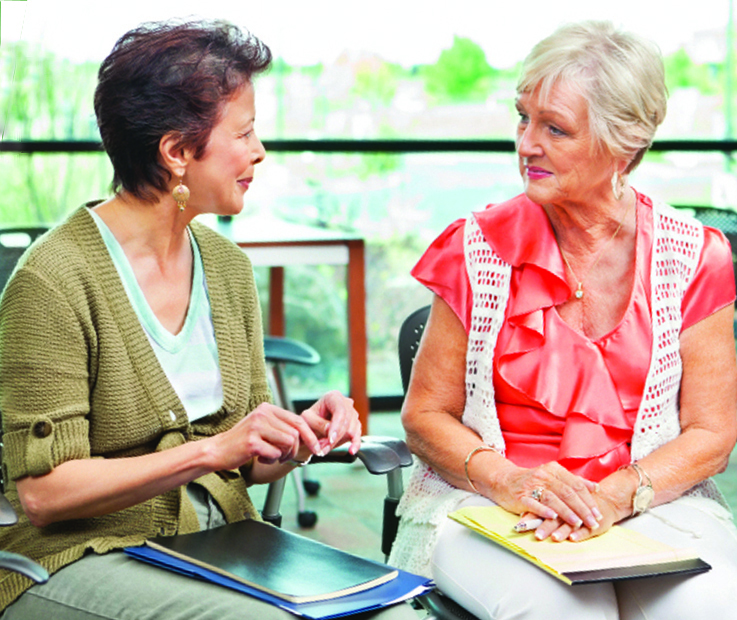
[555, 131]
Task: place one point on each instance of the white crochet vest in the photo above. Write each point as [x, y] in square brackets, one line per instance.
[677, 243]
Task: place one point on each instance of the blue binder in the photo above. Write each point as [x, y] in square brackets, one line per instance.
[399, 588]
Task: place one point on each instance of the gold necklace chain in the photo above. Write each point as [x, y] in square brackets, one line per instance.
[578, 294]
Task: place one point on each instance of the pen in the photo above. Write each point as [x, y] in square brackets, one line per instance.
[526, 526]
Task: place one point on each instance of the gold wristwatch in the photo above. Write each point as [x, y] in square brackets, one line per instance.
[644, 494]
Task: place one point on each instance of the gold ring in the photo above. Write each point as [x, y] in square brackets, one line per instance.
[537, 493]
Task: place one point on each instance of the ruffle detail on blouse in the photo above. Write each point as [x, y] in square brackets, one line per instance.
[555, 380]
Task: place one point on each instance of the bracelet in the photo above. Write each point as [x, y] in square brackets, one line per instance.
[481, 448]
[644, 493]
[301, 463]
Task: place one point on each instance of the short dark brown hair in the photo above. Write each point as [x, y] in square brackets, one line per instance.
[169, 77]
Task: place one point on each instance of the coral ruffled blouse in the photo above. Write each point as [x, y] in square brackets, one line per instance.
[560, 395]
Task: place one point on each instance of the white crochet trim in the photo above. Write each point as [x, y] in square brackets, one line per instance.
[429, 498]
[677, 243]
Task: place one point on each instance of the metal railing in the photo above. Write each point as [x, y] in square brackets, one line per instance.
[367, 146]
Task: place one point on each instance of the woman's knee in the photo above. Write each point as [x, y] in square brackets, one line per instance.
[494, 583]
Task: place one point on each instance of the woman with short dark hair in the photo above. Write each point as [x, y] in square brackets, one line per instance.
[132, 380]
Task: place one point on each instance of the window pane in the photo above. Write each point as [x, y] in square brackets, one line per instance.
[380, 70]
[44, 188]
[357, 74]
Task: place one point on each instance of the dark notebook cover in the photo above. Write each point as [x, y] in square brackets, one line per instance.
[684, 567]
[275, 561]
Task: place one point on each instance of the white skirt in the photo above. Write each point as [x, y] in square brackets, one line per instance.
[495, 584]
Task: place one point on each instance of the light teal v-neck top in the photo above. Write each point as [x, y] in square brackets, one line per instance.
[190, 358]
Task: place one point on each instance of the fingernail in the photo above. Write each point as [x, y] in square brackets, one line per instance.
[557, 537]
[577, 523]
[574, 536]
[333, 437]
[597, 514]
[592, 523]
[539, 534]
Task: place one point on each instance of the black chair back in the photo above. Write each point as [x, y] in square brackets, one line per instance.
[436, 604]
[723, 219]
[410, 334]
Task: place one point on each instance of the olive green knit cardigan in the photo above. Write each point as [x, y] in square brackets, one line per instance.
[79, 379]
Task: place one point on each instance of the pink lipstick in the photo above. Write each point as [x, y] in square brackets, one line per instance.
[533, 172]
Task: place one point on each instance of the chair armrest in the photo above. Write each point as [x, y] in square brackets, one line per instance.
[398, 445]
[377, 458]
[440, 606]
[379, 454]
[24, 566]
[7, 514]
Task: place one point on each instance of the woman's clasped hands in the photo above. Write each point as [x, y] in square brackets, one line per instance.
[556, 503]
[271, 435]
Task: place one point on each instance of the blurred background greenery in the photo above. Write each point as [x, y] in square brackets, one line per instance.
[388, 71]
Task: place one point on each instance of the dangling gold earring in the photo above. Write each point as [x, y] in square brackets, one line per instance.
[181, 195]
[618, 185]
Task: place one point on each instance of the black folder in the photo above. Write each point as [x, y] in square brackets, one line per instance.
[280, 563]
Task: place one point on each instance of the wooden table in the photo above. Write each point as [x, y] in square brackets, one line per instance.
[276, 244]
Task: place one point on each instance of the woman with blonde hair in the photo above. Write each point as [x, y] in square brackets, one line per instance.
[578, 365]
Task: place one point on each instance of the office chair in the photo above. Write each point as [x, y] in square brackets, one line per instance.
[380, 455]
[726, 221]
[13, 242]
[13, 561]
[438, 606]
[279, 352]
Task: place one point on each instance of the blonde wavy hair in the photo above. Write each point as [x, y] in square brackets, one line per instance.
[620, 74]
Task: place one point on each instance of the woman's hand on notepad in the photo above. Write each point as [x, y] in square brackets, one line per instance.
[563, 500]
[557, 530]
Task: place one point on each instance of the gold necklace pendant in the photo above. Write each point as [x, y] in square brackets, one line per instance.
[578, 293]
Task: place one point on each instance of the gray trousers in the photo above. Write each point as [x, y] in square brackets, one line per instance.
[114, 586]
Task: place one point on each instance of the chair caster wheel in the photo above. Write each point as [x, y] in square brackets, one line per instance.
[307, 518]
[312, 487]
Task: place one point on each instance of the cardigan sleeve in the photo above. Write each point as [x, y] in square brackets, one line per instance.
[44, 387]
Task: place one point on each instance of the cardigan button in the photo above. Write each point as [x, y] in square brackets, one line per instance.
[42, 429]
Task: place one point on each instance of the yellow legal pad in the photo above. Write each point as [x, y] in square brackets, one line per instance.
[617, 554]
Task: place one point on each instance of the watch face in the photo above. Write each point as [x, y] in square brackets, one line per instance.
[643, 498]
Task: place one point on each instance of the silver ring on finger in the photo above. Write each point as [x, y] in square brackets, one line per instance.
[537, 493]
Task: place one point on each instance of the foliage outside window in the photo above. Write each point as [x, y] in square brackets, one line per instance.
[398, 202]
